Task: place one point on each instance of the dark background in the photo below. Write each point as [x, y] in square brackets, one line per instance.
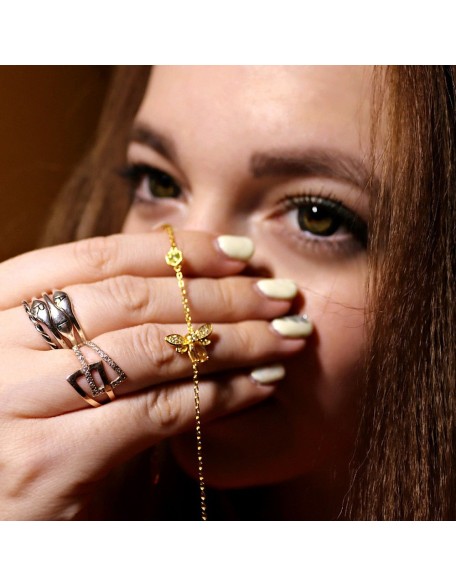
[48, 116]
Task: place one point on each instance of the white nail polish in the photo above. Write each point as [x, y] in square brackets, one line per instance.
[278, 288]
[293, 326]
[236, 247]
[268, 374]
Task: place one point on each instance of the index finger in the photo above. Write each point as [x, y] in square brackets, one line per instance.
[102, 257]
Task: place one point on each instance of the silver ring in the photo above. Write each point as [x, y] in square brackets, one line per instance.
[55, 321]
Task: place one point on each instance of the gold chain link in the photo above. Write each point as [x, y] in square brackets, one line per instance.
[175, 259]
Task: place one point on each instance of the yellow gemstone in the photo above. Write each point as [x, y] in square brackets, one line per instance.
[174, 257]
[198, 353]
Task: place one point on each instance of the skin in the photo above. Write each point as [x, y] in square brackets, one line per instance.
[56, 452]
[218, 119]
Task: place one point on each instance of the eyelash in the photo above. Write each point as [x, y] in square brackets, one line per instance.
[353, 223]
[355, 226]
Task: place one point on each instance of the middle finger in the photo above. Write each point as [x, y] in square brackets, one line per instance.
[128, 301]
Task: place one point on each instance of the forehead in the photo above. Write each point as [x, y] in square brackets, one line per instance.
[259, 95]
[257, 107]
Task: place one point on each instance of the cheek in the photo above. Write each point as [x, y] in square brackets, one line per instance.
[339, 350]
[324, 385]
[333, 296]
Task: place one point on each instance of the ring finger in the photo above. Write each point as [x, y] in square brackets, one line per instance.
[40, 390]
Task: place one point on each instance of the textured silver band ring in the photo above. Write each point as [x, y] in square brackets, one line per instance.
[55, 321]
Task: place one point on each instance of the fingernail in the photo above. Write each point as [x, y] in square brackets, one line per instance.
[268, 374]
[278, 288]
[236, 247]
[293, 326]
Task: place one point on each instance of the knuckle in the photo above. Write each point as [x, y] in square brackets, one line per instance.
[132, 293]
[245, 341]
[163, 408]
[97, 253]
[225, 300]
[150, 342]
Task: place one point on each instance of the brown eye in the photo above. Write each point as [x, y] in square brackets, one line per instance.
[161, 185]
[148, 183]
[322, 217]
[318, 219]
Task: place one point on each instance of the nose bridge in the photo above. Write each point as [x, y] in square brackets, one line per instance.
[222, 211]
[211, 210]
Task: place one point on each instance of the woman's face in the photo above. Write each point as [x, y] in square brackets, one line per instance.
[277, 154]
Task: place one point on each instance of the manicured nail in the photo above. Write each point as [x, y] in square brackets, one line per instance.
[268, 374]
[293, 326]
[236, 247]
[278, 288]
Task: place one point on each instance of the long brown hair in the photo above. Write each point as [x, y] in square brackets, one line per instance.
[404, 463]
[95, 202]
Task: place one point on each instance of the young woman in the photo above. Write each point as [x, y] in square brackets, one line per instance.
[315, 210]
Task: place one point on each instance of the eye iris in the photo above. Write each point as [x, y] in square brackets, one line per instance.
[316, 219]
[162, 186]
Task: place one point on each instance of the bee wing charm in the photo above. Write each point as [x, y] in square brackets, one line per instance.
[202, 333]
[179, 342]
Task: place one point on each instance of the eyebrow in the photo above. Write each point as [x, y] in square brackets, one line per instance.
[313, 163]
[154, 140]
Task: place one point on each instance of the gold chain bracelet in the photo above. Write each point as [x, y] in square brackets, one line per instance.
[193, 343]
